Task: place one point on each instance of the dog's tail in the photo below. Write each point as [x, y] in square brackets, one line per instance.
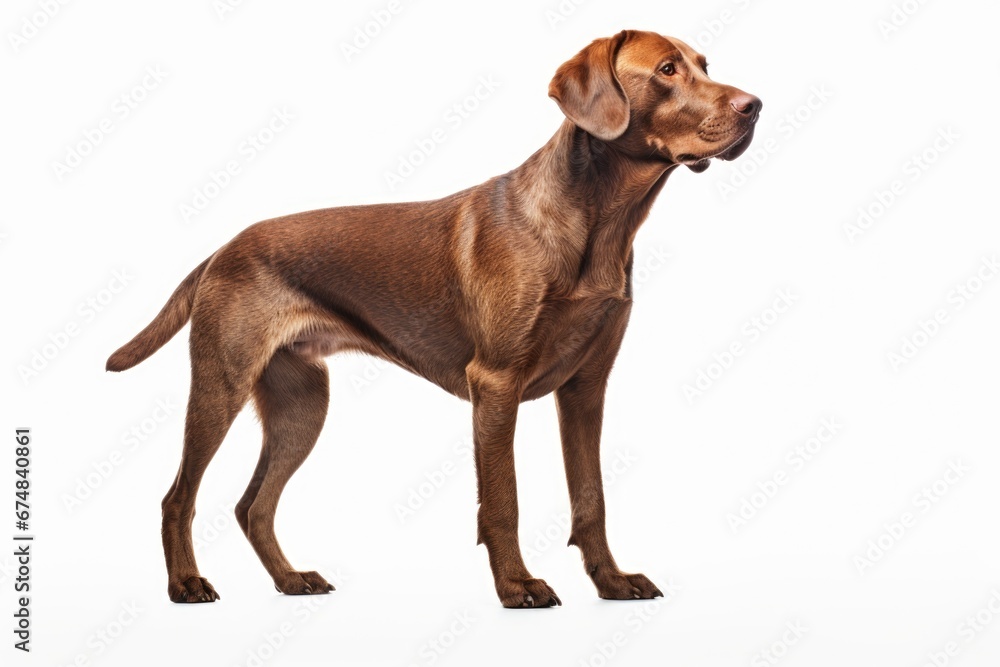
[168, 322]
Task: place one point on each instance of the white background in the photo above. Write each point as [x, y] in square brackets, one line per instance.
[683, 465]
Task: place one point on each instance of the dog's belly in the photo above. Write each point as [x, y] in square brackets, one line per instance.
[567, 333]
[427, 342]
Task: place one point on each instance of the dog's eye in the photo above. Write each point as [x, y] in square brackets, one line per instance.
[668, 69]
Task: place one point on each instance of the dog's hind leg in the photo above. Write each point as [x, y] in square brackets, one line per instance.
[222, 377]
[291, 397]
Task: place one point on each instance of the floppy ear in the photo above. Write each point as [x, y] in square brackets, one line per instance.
[587, 89]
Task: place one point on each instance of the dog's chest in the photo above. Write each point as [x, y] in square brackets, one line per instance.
[567, 331]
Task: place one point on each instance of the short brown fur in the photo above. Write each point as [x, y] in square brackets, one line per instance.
[499, 294]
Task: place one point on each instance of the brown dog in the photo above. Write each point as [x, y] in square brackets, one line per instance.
[499, 294]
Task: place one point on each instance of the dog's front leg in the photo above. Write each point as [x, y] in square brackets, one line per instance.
[580, 403]
[495, 397]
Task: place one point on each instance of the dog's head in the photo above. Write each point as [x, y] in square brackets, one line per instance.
[650, 95]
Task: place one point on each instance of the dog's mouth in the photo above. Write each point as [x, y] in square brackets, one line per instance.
[731, 152]
[738, 147]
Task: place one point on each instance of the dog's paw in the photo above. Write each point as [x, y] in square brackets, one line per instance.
[193, 589]
[302, 583]
[622, 586]
[527, 594]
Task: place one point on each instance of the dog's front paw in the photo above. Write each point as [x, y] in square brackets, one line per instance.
[527, 594]
[192, 590]
[302, 583]
[622, 586]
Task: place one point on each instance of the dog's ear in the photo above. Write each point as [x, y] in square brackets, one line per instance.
[588, 91]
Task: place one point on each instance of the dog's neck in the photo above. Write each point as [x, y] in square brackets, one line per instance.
[586, 199]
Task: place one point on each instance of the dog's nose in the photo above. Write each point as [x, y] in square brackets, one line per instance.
[746, 104]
